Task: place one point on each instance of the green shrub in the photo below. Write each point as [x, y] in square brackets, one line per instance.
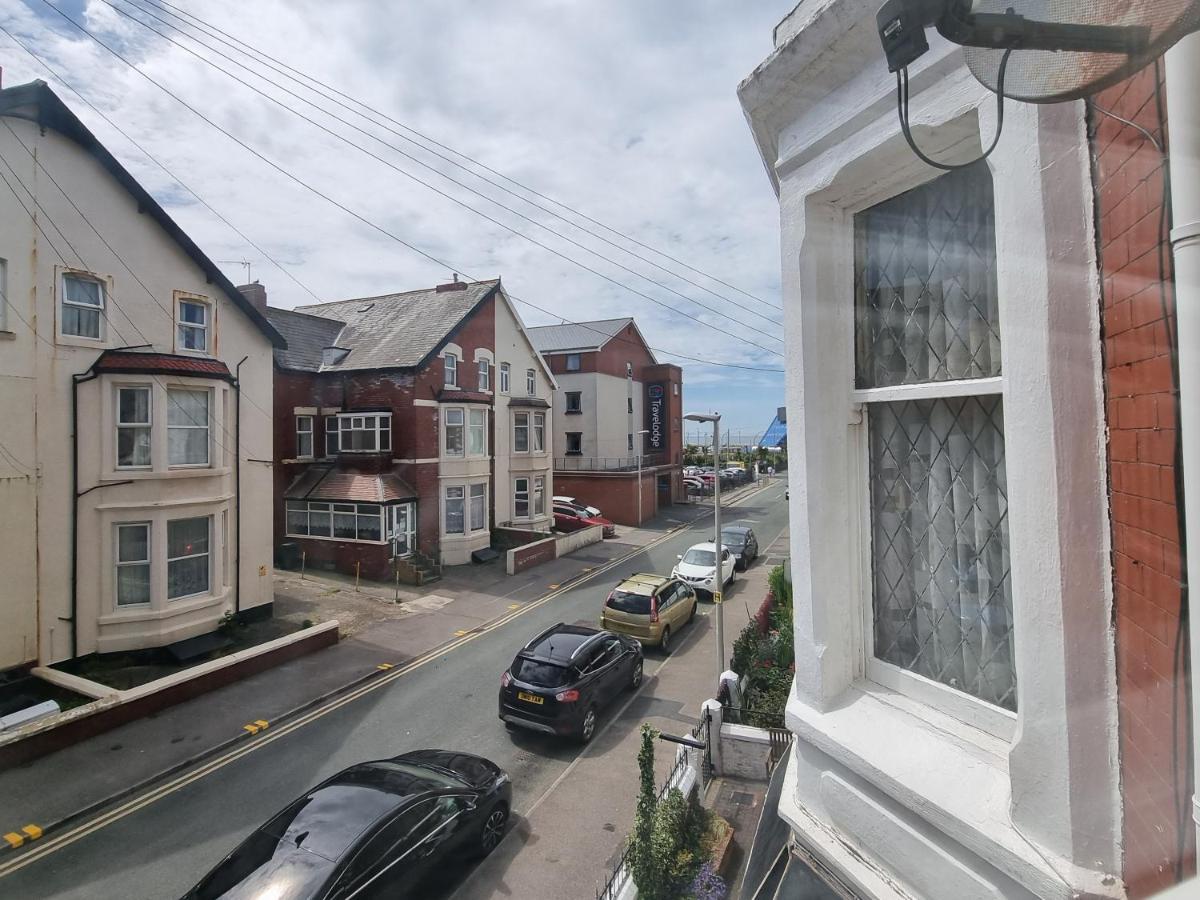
[778, 584]
[747, 649]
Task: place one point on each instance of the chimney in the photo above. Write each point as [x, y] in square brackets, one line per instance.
[454, 285]
[256, 294]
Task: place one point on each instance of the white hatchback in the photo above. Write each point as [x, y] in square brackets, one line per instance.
[697, 567]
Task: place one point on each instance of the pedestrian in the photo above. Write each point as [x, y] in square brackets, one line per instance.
[771, 471]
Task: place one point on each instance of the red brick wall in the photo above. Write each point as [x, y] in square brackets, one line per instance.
[613, 493]
[1141, 421]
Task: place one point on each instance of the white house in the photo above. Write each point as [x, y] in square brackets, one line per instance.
[136, 383]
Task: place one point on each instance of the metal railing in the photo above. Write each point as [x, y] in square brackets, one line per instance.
[607, 463]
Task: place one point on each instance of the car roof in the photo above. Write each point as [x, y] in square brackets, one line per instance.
[735, 529]
[643, 583]
[560, 643]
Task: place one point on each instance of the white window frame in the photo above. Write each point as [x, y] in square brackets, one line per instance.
[206, 329]
[505, 377]
[356, 422]
[519, 428]
[118, 564]
[450, 364]
[537, 433]
[539, 496]
[148, 426]
[4, 301]
[101, 310]
[207, 554]
[477, 491]
[522, 496]
[460, 426]
[329, 510]
[531, 382]
[461, 500]
[485, 375]
[332, 435]
[476, 427]
[301, 433]
[206, 428]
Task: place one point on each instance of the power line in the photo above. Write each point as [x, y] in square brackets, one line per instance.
[499, 223]
[63, 81]
[357, 216]
[208, 28]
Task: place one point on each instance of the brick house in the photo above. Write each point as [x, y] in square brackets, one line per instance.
[615, 401]
[409, 426]
[982, 405]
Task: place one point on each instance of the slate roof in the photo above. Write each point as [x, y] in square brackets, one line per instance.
[307, 336]
[160, 364]
[333, 484]
[576, 335]
[36, 102]
[385, 332]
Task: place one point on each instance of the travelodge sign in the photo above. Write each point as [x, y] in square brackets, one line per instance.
[656, 400]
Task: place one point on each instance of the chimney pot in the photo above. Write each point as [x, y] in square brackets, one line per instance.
[256, 294]
[454, 285]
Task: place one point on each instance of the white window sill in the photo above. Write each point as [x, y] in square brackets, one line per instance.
[188, 472]
[950, 774]
[339, 540]
[168, 609]
[7, 335]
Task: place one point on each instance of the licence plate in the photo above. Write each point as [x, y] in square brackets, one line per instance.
[530, 698]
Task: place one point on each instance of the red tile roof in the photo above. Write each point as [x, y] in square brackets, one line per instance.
[132, 361]
[331, 483]
[454, 395]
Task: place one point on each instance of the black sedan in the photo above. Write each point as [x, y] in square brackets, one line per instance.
[561, 679]
[742, 544]
[372, 831]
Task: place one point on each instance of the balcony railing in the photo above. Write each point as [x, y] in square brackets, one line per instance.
[607, 463]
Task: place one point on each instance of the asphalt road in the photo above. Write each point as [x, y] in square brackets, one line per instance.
[161, 848]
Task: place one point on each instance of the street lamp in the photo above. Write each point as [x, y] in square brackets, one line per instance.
[639, 481]
[718, 573]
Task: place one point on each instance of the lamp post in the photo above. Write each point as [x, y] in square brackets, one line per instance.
[719, 572]
[639, 481]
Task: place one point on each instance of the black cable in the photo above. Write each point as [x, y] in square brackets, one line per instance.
[372, 225]
[499, 223]
[209, 28]
[902, 109]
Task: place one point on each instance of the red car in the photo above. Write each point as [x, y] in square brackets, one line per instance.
[572, 518]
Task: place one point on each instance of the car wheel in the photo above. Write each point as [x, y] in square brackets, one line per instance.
[492, 830]
[665, 643]
[587, 728]
[635, 680]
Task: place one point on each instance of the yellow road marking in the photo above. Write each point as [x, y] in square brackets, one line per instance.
[514, 606]
[58, 842]
[14, 840]
[554, 587]
[383, 667]
[253, 729]
[461, 633]
[261, 723]
[32, 831]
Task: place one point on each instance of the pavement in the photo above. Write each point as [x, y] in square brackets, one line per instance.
[150, 806]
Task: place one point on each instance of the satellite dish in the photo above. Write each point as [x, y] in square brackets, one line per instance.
[1054, 73]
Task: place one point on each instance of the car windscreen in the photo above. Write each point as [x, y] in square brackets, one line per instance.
[696, 557]
[733, 538]
[629, 602]
[542, 674]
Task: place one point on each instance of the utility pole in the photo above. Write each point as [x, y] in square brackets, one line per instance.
[719, 571]
[639, 481]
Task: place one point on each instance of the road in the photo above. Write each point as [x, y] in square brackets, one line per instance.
[160, 848]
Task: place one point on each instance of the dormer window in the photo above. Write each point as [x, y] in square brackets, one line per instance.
[331, 356]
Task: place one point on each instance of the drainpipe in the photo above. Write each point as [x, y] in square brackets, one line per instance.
[1183, 116]
[237, 485]
[76, 380]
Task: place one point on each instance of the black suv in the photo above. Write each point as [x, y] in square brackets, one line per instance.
[562, 677]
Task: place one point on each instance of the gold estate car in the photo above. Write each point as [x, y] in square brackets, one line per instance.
[651, 608]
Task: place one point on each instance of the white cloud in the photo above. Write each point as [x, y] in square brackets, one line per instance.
[625, 110]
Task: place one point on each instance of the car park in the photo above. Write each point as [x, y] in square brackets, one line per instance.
[560, 680]
[373, 830]
[571, 501]
[697, 567]
[742, 543]
[573, 518]
[649, 608]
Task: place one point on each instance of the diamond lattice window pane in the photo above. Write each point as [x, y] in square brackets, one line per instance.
[925, 284]
[939, 543]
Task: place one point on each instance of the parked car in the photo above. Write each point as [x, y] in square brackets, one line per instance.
[561, 679]
[571, 501]
[742, 543]
[693, 484]
[373, 830]
[572, 518]
[697, 567]
[649, 608]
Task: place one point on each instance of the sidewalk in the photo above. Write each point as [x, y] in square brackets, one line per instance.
[82, 778]
[569, 841]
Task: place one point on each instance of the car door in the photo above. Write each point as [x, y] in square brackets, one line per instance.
[608, 667]
[398, 857]
[669, 607]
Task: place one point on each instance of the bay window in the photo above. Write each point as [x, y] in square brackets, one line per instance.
[454, 523]
[477, 432]
[539, 432]
[133, 428]
[521, 498]
[928, 376]
[521, 432]
[341, 521]
[133, 563]
[188, 425]
[478, 507]
[188, 556]
[453, 419]
[539, 495]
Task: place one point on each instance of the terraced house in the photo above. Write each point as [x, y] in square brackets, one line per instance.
[409, 426]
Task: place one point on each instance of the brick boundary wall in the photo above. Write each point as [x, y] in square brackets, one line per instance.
[1140, 392]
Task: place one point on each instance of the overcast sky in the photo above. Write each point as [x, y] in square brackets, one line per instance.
[624, 110]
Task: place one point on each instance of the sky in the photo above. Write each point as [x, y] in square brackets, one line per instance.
[624, 111]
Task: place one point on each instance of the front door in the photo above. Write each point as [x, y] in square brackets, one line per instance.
[402, 528]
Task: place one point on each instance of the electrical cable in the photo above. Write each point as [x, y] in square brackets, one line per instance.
[359, 217]
[902, 109]
[252, 52]
[461, 202]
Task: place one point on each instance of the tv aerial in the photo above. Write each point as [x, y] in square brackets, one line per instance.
[1037, 51]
